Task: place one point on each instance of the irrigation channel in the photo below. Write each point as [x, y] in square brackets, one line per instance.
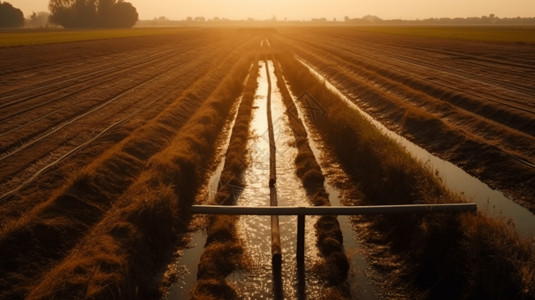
[494, 203]
[255, 231]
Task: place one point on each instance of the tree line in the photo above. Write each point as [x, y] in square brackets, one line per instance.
[491, 19]
[93, 13]
[76, 14]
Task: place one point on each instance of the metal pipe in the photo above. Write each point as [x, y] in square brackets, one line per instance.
[301, 212]
[332, 210]
[300, 257]
[275, 232]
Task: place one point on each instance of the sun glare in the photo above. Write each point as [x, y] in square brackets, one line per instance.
[305, 10]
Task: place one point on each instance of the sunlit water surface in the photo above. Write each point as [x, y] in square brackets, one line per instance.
[359, 281]
[255, 231]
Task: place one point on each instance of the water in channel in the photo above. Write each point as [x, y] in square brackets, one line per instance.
[360, 283]
[256, 231]
[494, 203]
[258, 283]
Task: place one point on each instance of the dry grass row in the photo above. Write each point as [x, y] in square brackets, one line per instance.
[200, 58]
[440, 255]
[439, 98]
[125, 254]
[46, 234]
[335, 266]
[223, 251]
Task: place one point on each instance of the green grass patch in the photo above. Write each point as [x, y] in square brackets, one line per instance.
[504, 34]
[38, 37]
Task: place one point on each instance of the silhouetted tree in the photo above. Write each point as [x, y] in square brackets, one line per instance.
[10, 16]
[93, 13]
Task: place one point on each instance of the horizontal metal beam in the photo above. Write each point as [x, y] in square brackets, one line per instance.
[331, 210]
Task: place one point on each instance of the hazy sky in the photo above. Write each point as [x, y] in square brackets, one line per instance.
[306, 9]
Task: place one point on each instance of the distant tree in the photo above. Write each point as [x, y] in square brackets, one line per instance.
[371, 19]
[10, 16]
[93, 13]
[39, 19]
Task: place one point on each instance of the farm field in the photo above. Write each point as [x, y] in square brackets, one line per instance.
[470, 103]
[105, 144]
[507, 34]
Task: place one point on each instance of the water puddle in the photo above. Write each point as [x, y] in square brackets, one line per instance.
[187, 267]
[493, 203]
[361, 285]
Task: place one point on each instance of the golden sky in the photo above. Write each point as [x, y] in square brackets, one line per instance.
[307, 9]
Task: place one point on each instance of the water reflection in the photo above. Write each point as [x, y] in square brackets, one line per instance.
[187, 264]
[187, 267]
[255, 230]
[360, 284]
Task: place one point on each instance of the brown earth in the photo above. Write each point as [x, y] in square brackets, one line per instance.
[62, 105]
